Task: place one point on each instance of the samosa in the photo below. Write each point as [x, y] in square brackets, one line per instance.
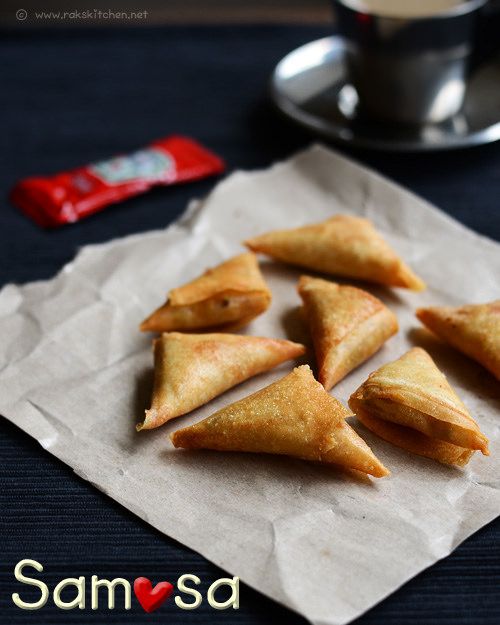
[192, 369]
[347, 325]
[410, 403]
[224, 298]
[344, 245]
[293, 416]
[474, 329]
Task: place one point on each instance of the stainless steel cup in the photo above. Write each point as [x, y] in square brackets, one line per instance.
[408, 70]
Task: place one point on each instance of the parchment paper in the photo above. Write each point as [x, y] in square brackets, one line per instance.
[76, 374]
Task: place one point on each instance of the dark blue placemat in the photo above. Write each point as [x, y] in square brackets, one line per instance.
[70, 97]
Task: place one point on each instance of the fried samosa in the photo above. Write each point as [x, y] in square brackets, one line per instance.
[343, 245]
[473, 329]
[224, 298]
[348, 325]
[192, 369]
[409, 403]
[294, 416]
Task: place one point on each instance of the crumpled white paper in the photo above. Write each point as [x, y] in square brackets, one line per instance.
[76, 374]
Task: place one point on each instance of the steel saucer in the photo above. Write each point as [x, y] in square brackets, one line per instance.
[309, 86]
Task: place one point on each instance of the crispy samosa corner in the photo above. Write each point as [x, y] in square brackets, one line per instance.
[344, 245]
[294, 416]
[192, 369]
[473, 329]
[224, 298]
[347, 325]
[409, 403]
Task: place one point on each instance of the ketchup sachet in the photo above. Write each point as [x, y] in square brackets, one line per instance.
[70, 196]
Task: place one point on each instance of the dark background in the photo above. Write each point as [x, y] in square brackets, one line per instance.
[73, 96]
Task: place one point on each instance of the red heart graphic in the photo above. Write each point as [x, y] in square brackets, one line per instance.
[151, 598]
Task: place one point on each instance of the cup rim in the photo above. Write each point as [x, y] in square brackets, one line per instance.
[463, 8]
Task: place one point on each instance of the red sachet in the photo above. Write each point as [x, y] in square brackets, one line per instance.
[70, 196]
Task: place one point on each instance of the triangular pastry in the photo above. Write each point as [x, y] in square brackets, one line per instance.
[348, 325]
[343, 245]
[473, 329]
[294, 416]
[192, 369]
[224, 298]
[409, 403]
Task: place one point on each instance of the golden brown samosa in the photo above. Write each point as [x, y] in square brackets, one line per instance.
[409, 403]
[294, 416]
[224, 298]
[348, 325]
[343, 245]
[192, 369]
[474, 329]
